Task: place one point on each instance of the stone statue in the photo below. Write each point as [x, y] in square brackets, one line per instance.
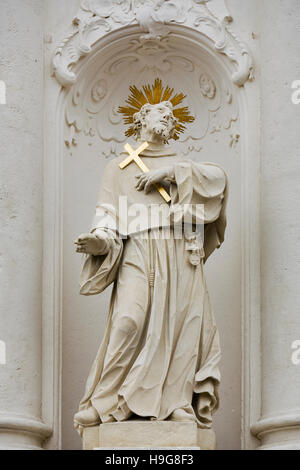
[160, 353]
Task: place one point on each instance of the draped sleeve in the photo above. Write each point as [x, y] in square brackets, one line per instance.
[200, 191]
[98, 272]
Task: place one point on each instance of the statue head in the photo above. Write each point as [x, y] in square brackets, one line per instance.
[155, 122]
[154, 113]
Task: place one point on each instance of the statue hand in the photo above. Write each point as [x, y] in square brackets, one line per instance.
[90, 244]
[147, 180]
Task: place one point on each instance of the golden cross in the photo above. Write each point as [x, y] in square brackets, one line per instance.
[134, 157]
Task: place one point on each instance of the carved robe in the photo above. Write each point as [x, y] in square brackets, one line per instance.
[161, 347]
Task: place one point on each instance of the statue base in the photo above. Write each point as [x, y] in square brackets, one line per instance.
[148, 435]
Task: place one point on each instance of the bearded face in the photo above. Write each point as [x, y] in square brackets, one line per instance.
[157, 119]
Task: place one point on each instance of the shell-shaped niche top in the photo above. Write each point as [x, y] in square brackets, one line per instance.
[153, 19]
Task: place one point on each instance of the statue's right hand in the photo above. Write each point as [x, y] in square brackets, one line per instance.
[90, 244]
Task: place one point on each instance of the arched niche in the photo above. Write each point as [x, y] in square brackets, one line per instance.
[87, 132]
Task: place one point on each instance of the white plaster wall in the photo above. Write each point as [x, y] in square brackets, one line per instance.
[280, 49]
[21, 136]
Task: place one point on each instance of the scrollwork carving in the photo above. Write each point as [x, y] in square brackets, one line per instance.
[96, 18]
[92, 103]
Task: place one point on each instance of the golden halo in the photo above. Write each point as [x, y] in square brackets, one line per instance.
[155, 94]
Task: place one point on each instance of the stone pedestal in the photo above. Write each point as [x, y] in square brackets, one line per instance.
[148, 435]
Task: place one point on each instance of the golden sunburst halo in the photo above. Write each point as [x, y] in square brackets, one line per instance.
[153, 95]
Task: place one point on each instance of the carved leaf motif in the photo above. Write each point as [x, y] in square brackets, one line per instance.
[101, 8]
[217, 8]
[73, 53]
[97, 17]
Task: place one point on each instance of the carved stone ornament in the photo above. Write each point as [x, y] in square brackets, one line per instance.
[207, 86]
[91, 106]
[96, 18]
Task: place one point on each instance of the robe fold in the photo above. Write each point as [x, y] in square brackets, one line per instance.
[161, 350]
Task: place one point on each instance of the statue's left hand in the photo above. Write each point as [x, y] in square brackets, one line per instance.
[147, 180]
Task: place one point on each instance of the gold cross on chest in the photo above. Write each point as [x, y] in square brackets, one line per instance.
[134, 157]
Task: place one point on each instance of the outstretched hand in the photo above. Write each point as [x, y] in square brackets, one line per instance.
[89, 244]
[146, 181]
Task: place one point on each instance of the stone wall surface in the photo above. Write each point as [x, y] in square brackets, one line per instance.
[280, 262]
[21, 136]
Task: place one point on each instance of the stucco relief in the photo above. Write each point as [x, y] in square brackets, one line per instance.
[92, 103]
[207, 86]
[96, 18]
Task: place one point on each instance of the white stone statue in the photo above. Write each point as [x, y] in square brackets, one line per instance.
[160, 352]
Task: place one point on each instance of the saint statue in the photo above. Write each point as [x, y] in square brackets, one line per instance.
[160, 353]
